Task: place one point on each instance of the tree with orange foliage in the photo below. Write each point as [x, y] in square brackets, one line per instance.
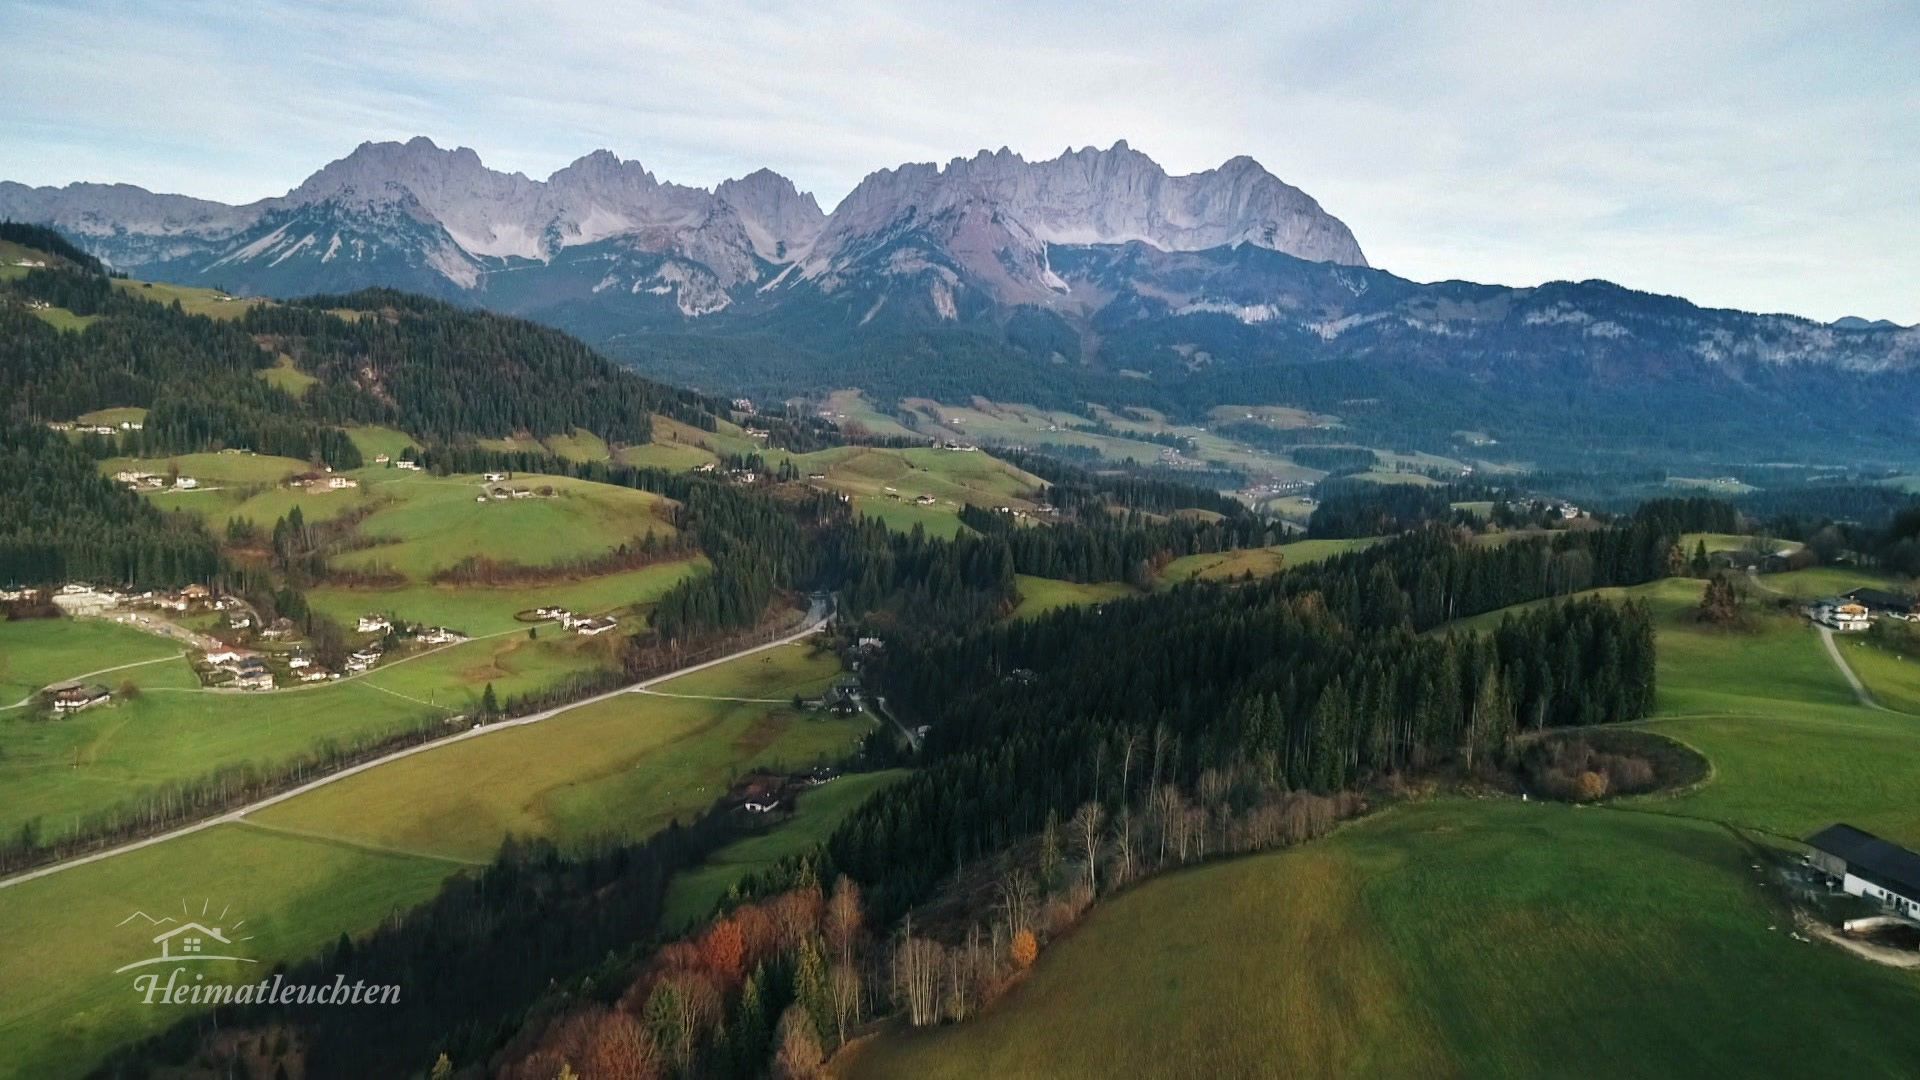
[1024, 949]
[757, 933]
[723, 949]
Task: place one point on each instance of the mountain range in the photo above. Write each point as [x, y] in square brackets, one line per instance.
[440, 222]
[1095, 275]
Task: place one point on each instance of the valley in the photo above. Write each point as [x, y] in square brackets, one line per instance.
[1026, 616]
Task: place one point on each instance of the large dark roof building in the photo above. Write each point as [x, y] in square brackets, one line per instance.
[1882, 602]
[1869, 866]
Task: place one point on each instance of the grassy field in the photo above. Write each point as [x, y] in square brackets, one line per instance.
[37, 652]
[884, 483]
[1040, 595]
[1260, 562]
[430, 523]
[850, 406]
[1893, 679]
[61, 319]
[61, 1005]
[514, 664]
[625, 766]
[287, 378]
[1494, 938]
[61, 770]
[240, 468]
[341, 858]
[261, 504]
[674, 456]
[820, 810]
[475, 611]
[114, 417]
[373, 441]
[1821, 581]
[209, 302]
[1451, 938]
[582, 445]
[1691, 542]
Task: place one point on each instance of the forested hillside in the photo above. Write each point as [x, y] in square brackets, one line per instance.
[438, 372]
[279, 380]
[60, 520]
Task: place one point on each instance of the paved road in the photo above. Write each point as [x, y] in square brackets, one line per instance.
[816, 618]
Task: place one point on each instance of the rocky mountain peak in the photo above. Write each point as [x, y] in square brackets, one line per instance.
[1093, 196]
[778, 217]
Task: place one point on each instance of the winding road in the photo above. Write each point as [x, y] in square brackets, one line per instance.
[817, 616]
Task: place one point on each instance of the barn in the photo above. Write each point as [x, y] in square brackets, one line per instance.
[1869, 867]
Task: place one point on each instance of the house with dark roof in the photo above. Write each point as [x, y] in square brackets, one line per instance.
[1882, 602]
[1869, 867]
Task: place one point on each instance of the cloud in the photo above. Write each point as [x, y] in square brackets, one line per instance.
[1735, 155]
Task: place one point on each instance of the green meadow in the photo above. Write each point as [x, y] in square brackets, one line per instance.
[61, 319]
[261, 504]
[373, 441]
[37, 652]
[285, 897]
[60, 771]
[625, 766]
[884, 483]
[1260, 562]
[1040, 595]
[286, 378]
[343, 857]
[126, 414]
[816, 814]
[1490, 937]
[457, 676]
[476, 610]
[428, 523]
[239, 467]
[194, 301]
[1452, 938]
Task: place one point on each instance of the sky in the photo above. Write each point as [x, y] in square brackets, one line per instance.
[1760, 155]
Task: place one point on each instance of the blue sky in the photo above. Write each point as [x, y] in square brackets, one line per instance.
[1755, 155]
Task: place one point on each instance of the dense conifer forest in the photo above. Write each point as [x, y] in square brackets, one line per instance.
[60, 520]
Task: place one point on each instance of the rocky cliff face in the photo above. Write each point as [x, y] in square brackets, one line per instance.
[987, 221]
[417, 216]
[1112, 196]
[990, 221]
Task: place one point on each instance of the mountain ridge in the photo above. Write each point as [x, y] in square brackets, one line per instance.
[468, 219]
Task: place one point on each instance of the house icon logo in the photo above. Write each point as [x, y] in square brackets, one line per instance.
[190, 938]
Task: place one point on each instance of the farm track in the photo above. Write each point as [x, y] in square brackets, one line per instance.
[1860, 691]
[28, 700]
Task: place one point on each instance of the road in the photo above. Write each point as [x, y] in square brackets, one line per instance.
[880, 706]
[1860, 691]
[816, 618]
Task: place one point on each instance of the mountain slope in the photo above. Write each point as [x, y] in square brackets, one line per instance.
[439, 221]
[439, 372]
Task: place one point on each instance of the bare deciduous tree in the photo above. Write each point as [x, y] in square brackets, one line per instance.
[1086, 830]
